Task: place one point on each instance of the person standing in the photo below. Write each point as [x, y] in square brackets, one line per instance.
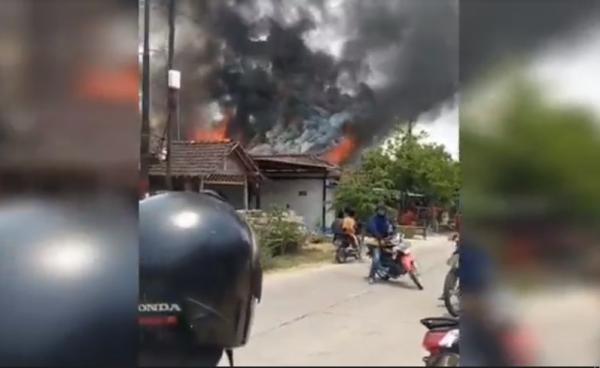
[408, 218]
[435, 218]
[336, 226]
[444, 218]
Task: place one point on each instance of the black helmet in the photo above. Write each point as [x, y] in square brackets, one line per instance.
[200, 277]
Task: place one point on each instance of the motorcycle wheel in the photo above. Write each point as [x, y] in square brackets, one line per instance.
[359, 255]
[451, 292]
[340, 255]
[415, 279]
[444, 359]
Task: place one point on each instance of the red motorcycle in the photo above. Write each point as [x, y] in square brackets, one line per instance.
[441, 342]
[397, 260]
[510, 345]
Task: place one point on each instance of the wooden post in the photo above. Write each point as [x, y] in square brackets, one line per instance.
[246, 194]
[324, 210]
[258, 190]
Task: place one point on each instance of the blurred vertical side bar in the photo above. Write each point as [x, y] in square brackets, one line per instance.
[69, 153]
[530, 149]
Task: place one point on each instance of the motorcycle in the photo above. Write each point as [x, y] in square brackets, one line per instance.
[397, 260]
[451, 292]
[441, 341]
[344, 249]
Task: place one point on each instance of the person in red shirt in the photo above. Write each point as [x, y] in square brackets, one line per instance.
[408, 218]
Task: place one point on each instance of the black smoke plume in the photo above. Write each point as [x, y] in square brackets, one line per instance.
[300, 75]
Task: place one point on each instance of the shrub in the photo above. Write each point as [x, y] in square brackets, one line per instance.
[276, 233]
[319, 238]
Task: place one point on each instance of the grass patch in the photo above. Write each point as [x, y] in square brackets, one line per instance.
[310, 254]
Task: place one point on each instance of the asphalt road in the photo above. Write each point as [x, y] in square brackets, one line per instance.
[330, 315]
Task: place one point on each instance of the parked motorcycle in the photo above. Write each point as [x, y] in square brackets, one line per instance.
[441, 342]
[451, 292]
[344, 250]
[397, 260]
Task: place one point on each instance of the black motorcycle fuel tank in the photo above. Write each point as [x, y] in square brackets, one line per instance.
[198, 266]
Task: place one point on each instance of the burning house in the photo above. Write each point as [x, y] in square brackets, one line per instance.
[325, 77]
[302, 183]
[222, 166]
[301, 87]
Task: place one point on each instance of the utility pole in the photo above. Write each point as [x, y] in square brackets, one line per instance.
[171, 99]
[409, 140]
[145, 138]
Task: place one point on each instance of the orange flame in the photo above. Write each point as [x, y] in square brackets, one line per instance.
[117, 86]
[342, 151]
[217, 133]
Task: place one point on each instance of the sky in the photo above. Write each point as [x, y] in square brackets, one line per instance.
[442, 129]
[569, 71]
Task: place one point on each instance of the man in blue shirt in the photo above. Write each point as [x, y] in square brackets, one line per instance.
[380, 227]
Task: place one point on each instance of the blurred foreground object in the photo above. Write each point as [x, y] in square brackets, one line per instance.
[68, 97]
[69, 148]
[200, 277]
[532, 208]
[68, 286]
[530, 143]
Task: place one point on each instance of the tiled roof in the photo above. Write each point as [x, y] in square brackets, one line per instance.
[226, 178]
[201, 159]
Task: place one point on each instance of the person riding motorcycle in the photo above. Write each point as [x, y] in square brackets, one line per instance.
[336, 225]
[349, 227]
[199, 279]
[380, 227]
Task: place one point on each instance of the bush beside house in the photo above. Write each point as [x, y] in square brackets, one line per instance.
[278, 232]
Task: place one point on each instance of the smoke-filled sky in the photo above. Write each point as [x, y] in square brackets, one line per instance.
[570, 69]
[297, 76]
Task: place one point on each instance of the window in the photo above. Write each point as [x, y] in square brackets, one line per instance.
[302, 193]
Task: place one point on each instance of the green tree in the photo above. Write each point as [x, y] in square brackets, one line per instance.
[359, 190]
[424, 168]
[405, 164]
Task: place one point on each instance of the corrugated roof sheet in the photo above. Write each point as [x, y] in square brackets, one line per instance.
[297, 159]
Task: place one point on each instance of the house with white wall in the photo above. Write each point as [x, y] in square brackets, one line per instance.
[303, 183]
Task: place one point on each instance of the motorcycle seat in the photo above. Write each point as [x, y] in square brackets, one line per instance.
[439, 322]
